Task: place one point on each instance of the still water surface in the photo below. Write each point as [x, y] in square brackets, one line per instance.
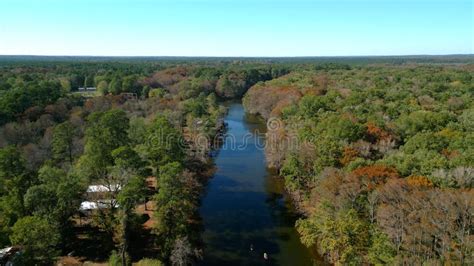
[245, 204]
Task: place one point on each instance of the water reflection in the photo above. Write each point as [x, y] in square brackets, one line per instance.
[244, 205]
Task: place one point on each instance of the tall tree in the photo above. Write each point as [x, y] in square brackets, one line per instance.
[175, 206]
[106, 132]
[164, 143]
[63, 142]
[14, 182]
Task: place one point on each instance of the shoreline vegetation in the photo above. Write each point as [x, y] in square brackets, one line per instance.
[367, 155]
[376, 152]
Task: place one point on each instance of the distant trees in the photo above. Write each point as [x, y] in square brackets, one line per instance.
[88, 81]
[15, 101]
[226, 82]
[231, 85]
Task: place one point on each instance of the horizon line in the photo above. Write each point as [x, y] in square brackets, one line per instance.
[243, 56]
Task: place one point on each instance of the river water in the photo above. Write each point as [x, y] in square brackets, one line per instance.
[245, 205]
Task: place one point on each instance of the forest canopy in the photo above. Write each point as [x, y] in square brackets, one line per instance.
[383, 162]
[376, 153]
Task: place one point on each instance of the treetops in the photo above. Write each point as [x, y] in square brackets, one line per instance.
[375, 145]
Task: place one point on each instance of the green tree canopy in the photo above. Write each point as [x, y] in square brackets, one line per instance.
[38, 237]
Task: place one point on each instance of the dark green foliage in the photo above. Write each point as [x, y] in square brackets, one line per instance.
[196, 107]
[176, 204]
[15, 101]
[106, 132]
[63, 142]
[38, 237]
[164, 143]
[15, 181]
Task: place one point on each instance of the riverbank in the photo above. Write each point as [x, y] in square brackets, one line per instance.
[244, 210]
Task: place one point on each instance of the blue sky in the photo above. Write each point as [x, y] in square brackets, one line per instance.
[236, 28]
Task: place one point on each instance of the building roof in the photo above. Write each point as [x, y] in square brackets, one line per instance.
[103, 188]
[87, 89]
[94, 205]
[4, 252]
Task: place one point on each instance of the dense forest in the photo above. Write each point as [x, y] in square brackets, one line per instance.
[376, 153]
[378, 158]
[137, 137]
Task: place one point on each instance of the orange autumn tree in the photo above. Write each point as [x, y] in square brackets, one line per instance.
[374, 175]
[419, 181]
[348, 155]
[376, 133]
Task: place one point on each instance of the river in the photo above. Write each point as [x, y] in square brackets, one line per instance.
[245, 205]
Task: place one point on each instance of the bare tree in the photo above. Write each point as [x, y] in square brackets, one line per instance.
[182, 253]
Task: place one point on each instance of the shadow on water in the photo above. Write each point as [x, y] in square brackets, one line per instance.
[245, 206]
